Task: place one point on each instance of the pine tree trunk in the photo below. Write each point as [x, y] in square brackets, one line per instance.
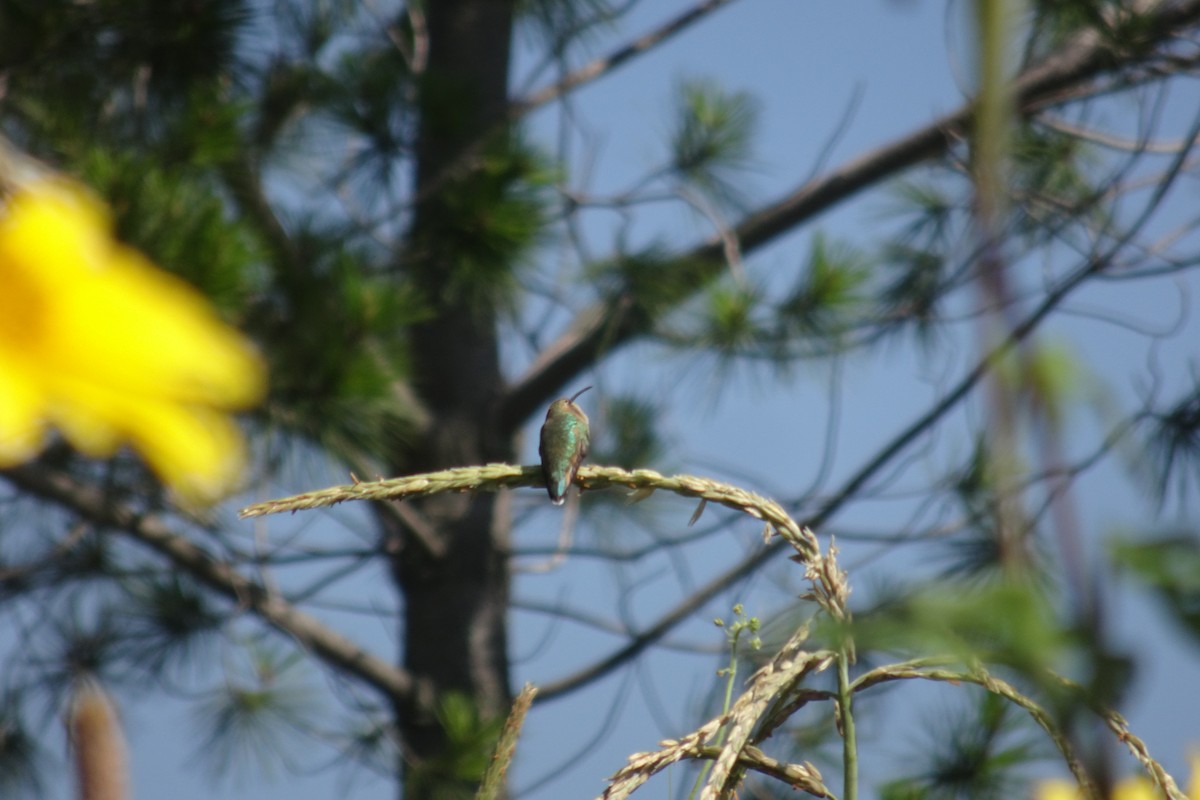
[456, 601]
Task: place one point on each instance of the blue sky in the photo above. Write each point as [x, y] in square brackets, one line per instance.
[896, 65]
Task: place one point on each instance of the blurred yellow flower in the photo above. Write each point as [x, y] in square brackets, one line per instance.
[1137, 787]
[102, 345]
[1057, 789]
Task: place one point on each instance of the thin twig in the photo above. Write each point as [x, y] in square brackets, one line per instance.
[606, 64]
[153, 531]
[613, 322]
[470, 156]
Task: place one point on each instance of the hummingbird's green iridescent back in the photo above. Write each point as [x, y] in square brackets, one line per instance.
[564, 443]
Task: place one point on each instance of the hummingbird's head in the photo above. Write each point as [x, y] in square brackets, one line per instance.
[565, 405]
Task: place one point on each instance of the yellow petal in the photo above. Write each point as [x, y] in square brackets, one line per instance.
[93, 417]
[97, 341]
[1056, 789]
[1135, 788]
[197, 452]
[112, 316]
[151, 333]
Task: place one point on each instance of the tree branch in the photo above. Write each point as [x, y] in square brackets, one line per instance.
[469, 158]
[153, 532]
[242, 178]
[898, 444]
[1019, 332]
[606, 64]
[608, 325]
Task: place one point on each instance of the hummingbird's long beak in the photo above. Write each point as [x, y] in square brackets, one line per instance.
[581, 391]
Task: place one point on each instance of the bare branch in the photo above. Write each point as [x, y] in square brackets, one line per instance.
[152, 531]
[469, 158]
[897, 445]
[1110, 140]
[608, 325]
[606, 64]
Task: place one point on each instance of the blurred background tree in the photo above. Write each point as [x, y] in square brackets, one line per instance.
[359, 186]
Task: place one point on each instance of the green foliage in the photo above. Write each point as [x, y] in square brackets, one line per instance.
[370, 92]
[148, 103]
[1001, 622]
[916, 261]
[470, 741]
[926, 211]
[206, 132]
[1049, 183]
[314, 26]
[650, 280]
[175, 217]
[711, 142]
[1173, 447]
[72, 643]
[181, 116]
[1057, 21]
[177, 44]
[913, 295]
[731, 326]
[970, 756]
[169, 625]
[1170, 568]
[255, 720]
[1049, 375]
[629, 436]
[981, 552]
[829, 294]
[480, 229]
[290, 89]
[1009, 625]
[339, 360]
[370, 742]
[299, 80]
[1047, 191]
[561, 23]
[122, 56]
[334, 331]
[739, 320]
[92, 558]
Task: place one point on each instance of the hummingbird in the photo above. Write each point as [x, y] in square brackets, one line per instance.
[564, 443]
